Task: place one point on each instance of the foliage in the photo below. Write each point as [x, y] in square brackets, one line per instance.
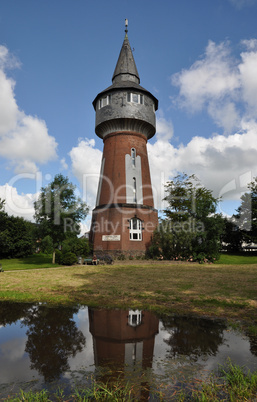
[72, 248]
[192, 230]
[247, 214]
[16, 235]
[58, 210]
[79, 246]
[232, 237]
[46, 245]
[69, 258]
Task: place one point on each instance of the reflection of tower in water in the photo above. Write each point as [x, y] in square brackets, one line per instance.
[123, 341]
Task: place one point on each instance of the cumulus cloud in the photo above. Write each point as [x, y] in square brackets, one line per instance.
[223, 86]
[86, 163]
[20, 134]
[224, 164]
[18, 204]
[211, 78]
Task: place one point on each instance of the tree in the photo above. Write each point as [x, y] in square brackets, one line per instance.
[191, 227]
[16, 235]
[247, 214]
[232, 237]
[58, 210]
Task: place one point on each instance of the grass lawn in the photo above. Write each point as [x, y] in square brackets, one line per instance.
[32, 262]
[234, 259]
[216, 290]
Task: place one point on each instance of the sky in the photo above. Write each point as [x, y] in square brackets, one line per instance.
[197, 57]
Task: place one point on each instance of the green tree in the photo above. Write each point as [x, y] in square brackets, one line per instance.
[16, 235]
[58, 210]
[192, 226]
[2, 202]
[46, 245]
[246, 216]
[232, 236]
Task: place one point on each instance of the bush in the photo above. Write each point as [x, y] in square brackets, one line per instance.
[106, 258]
[121, 257]
[58, 256]
[69, 258]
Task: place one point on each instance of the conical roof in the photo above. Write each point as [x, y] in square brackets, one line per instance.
[126, 69]
[125, 75]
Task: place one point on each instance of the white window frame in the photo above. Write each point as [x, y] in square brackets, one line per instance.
[104, 101]
[134, 97]
[135, 229]
[134, 318]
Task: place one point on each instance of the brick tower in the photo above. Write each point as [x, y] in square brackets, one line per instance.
[124, 217]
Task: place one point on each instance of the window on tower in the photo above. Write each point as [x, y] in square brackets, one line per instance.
[104, 101]
[135, 229]
[134, 190]
[133, 156]
[135, 98]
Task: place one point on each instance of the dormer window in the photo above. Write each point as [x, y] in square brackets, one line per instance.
[135, 98]
[104, 101]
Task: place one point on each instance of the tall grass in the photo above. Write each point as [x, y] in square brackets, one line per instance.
[230, 383]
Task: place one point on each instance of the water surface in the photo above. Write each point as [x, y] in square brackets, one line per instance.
[42, 346]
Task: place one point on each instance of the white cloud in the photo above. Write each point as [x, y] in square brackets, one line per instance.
[211, 78]
[248, 76]
[216, 161]
[164, 128]
[64, 165]
[24, 139]
[86, 163]
[18, 204]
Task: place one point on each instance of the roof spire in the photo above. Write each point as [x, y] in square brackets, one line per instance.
[126, 27]
[126, 69]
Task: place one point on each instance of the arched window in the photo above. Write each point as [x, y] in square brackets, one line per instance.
[134, 190]
[135, 229]
[133, 157]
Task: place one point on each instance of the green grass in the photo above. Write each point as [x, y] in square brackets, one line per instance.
[237, 259]
[230, 383]
[45, 261]
[31, 262]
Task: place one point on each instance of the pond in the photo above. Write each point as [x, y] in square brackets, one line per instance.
[47, 347]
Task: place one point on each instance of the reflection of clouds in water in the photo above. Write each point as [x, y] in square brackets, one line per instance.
[13, 349]
[85, 358]
[236, 348]
[14, 362]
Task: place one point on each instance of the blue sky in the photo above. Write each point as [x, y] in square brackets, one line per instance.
[198, 57]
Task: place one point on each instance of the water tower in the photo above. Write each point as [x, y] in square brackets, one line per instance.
[124, 217]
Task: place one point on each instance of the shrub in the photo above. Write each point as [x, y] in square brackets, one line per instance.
[69, 258]
[121, 257]
[58, 256]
